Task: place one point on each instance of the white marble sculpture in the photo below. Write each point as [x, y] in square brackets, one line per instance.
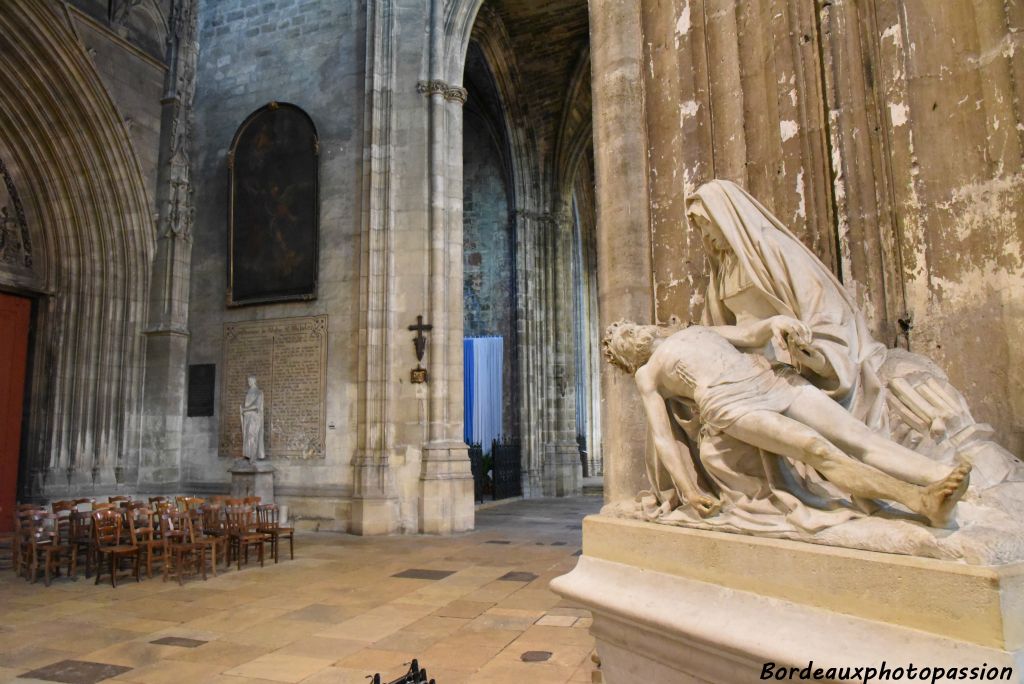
[895, 413]
[251, 412]
[772, 409]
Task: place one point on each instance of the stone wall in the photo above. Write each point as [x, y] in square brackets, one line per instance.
[488, 257]
[308, 53]
[135, 81]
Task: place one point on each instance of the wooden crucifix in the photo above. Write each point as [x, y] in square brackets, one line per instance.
[419, 374]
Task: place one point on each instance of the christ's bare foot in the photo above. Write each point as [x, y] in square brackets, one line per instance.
[939, 498]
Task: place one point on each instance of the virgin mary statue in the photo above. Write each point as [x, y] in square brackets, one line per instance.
[759, 269]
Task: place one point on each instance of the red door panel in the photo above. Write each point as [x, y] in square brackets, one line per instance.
[14, 321]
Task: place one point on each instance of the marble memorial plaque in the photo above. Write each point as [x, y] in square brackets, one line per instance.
[288, 356]
[201, 379]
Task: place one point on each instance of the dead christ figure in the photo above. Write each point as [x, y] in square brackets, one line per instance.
[773, 409]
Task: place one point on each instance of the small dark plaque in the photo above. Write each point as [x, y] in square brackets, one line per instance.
[418, 573]
[535, 656]
[178, 641]
[201, 381]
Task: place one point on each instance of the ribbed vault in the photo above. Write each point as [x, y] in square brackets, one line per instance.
[93, 238]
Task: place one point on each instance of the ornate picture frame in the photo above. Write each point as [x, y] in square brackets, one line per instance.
[273, 207]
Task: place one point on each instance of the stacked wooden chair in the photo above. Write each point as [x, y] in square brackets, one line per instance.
[268, 517]
[243, 533]
[113, 542]
[181, 553]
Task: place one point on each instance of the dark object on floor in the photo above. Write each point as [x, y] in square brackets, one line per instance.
[535, 656]
[414, 676]
[76, 672]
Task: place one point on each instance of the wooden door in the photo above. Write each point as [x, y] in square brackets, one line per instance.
[14, 321]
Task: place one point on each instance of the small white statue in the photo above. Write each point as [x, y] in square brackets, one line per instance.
[251, 412]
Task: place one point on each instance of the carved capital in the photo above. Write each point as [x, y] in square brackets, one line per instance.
[455, 94]
[432, 88]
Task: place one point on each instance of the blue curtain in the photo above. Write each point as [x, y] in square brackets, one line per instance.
[483, 359]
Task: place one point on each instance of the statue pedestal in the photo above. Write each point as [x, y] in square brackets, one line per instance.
[672, 604]
[252, 478]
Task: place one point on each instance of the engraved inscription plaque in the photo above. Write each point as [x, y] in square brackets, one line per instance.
[288, 356]
[200, 389]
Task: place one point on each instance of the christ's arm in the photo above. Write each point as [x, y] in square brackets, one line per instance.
[665, 443]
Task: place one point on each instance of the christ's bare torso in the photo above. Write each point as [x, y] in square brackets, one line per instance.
[698, 358]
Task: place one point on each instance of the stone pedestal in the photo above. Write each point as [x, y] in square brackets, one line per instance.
[678, 605]
[446, 502]
[252, 478]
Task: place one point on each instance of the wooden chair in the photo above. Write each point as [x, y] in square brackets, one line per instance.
[44, 545]
[242, 533]
[22, 541]
[84, 504]
[146, 536]
[103, 505]
[215, 525]
[180, 549]
[204, 541]
[268, 518]
[251, 501]
[62, 506]
[81, 541]
[109, 536]
[8, 544]
[62, 511]
[153, 500]
[118, 500]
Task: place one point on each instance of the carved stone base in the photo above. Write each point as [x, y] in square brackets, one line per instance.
[252, 478]
[374, 503]
[563, 470]
[680, 605]
[446, 489]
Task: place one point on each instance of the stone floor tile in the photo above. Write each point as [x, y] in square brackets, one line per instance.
[558, 620]
[281, 667]
[223, 653]
[130, 653]
[463, 609]
[161, 673]
[322, 647]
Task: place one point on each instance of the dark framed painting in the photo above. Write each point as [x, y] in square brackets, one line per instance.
[274, 207]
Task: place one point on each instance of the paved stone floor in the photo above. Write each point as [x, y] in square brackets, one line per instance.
[472, 608]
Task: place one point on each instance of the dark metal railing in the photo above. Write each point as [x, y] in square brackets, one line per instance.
[507, 462]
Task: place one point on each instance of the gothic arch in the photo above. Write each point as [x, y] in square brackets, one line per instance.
[94, 237]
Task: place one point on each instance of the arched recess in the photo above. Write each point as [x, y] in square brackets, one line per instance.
[93, 233]
[531, 222]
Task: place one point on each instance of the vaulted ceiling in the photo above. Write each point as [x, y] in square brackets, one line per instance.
[550, 45]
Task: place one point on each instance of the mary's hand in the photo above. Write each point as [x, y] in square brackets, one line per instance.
[786, 330]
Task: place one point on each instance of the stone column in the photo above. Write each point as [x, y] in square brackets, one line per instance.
[446, 482]
[531, 367]
[167, 333]
[623, 231]
[563, 451]
[374, 498]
